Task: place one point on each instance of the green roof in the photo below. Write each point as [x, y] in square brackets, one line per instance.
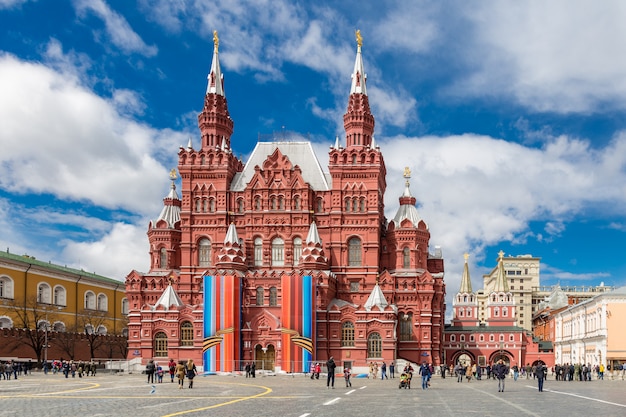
[29, 260]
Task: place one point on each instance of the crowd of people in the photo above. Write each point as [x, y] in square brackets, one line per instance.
[180, 371]
[14, 369]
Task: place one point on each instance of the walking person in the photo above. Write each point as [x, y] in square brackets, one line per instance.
[425, 373]
[500, 371]
[330, 379]
[180, 373]
[392, 369]
[191, 372]
[383, 371]
[150, 368]
[540, 372]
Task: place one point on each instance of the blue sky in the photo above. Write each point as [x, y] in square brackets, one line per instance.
[510, 114]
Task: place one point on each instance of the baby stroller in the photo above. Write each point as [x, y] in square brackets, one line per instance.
[405, 381]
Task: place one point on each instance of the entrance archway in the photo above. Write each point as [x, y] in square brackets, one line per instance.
[264, 357]
[464, 359]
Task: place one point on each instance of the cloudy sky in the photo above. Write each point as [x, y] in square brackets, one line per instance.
[510, 114]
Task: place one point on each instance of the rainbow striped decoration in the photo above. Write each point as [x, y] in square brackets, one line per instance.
[221, 347]
[298, 319]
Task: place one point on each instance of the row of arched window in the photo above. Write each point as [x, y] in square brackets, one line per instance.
[58, 326]
[277, 252]
[260, 296]
[57, 296]
[481, 338]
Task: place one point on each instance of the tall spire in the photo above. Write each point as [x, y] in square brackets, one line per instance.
[502, 284]
[358, 120]
[466, 282]
[215, 77]
[358, 75]
[214, 121]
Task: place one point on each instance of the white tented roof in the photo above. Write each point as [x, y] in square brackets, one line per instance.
[299, 153]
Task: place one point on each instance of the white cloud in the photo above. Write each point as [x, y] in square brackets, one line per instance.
[124, 248]
[59, 137]
[558, 56]
[476, 191]
[118, 30]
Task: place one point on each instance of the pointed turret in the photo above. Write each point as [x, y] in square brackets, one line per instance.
[376, 299]
[169, 299]
[358, 120]
[164, 233]
[214, 122]
[231, 255]
[312, 252]
[466, 282]
[407, 209]
[502, 284]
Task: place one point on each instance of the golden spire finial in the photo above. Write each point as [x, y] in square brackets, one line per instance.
[359, 38]
[501, 254]
[173, 175]
[216, 40]
[407, 172]
[466, 256]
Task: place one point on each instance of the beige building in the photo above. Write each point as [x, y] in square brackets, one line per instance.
[522, 276]
[592, 331]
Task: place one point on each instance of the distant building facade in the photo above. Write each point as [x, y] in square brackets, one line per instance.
[42, 301]
[484, 333]
[592, 331]
[279, 262]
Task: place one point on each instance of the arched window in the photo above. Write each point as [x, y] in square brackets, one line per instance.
[273, 297]
[278, 252]
[257, 203]
[355, 204]
[160, 345]
[297, 250]
[163, 257]
[452, 338]
[211, 205]
[259, 296]
[43, 293]
[354, 252]
[505, 312]
[258, 251]
[103, 304]
[204, 252]
[6, 322]
[347, 209]
[90, 300]
[320, 205]
[198, 205]
[186, 334]
[240, 205]
[406, 258]
[296, 203]
[406, 327]
[88, 329]
[347, 334]
[281, 202]
[273, 202]
[6, 287]
[362, 205]
[124, 306]
[59, 295]
[374, 346]
[205, 205]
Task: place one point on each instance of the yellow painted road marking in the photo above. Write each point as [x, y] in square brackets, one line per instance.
[195, 410]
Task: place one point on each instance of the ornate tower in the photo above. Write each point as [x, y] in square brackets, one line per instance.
[500, 302]
[465, 303]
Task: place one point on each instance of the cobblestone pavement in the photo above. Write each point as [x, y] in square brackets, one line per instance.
[129, 395]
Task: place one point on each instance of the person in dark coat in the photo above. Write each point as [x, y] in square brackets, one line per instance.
[330, 379]
[540, 373]
[500, 371]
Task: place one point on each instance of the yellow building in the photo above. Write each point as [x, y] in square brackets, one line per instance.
[56, 299]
